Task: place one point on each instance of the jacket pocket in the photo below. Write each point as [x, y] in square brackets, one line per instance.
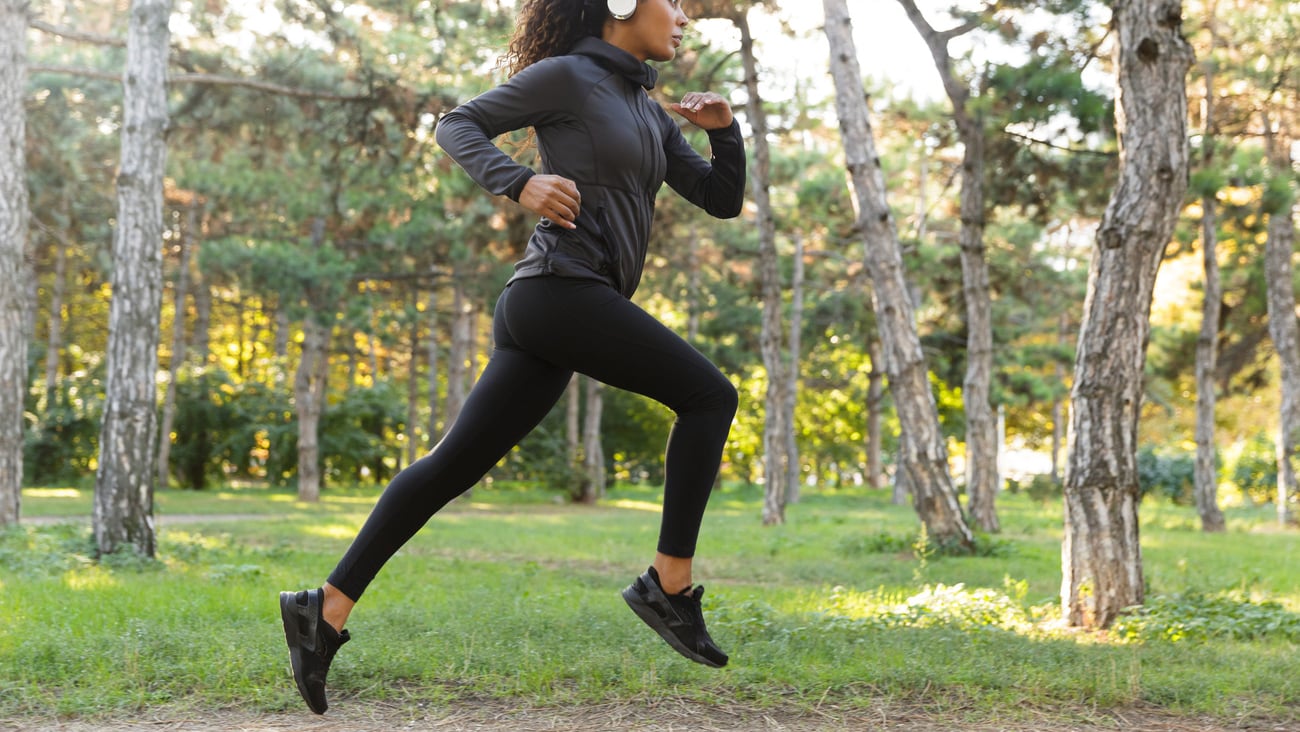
[611, 267]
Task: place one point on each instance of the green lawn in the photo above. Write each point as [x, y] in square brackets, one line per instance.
[513, 596]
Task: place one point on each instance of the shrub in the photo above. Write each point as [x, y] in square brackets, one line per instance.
[1254, 471]
[1194, 616]
[1169, 474]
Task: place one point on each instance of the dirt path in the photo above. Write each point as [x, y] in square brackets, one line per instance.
[661, 716]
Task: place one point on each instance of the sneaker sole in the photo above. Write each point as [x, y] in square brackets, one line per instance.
[657, 624]
[293, 637]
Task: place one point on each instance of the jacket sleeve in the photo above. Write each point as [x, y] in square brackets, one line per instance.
[535, 96]
[716, 185]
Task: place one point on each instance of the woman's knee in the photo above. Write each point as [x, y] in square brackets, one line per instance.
[720, 397]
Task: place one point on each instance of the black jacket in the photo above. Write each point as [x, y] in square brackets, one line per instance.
[597, 126]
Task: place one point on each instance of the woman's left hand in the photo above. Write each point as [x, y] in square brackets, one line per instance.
[707, 110]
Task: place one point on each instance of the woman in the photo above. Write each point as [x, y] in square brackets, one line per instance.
[579, 78]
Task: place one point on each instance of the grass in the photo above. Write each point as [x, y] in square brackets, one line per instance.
[512, 596]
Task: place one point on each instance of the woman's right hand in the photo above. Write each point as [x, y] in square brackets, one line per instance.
[554, 197]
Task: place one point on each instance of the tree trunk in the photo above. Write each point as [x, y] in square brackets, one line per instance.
[923, 454]
[593, 454]
[413, 393]
[458, 358]
[1101, 557]
[431, 311]
[981, 422]
[54, 326]
[875, 408]
[1207, 343]
[981, 425]
[178, 350]
[308, 390]
[573, 421]
[280, 343]
[791, 395]
[124, 482]
[13, 250]
[1058, 404]
[775, 459]
[1282, 329]
[693, 306]
[202, 319]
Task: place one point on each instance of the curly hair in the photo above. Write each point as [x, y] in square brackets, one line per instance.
[545, 28]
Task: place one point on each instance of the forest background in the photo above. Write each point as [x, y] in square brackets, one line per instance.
[326, 264]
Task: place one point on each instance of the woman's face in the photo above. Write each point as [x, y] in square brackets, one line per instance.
[654, 31]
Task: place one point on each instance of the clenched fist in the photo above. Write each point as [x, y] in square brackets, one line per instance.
[554, 197]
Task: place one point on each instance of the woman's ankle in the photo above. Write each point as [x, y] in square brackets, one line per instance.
[674, 573]
[335, 606]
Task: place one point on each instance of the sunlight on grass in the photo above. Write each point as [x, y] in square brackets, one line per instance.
[635, 505]
[52, 492]
[90, 577]
[940, 605]
[332, 531]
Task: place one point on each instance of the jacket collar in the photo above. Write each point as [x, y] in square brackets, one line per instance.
[617, 60]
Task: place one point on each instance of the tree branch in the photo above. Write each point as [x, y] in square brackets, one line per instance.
[209, 79]
[1054, 146]
[76, 35]
[960, 30]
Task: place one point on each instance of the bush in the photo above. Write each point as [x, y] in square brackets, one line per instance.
[61, 445]
[1169, 474]
[205, 419]
[1194, 616]
[1042, 488]
[1254, 471]
[358, 434]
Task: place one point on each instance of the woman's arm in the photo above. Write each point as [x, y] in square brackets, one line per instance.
[716, 185]
[530, 98]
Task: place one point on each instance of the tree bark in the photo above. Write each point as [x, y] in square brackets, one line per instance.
[308, 390]
[875, 409]
[1058, 404]
[202, 346]
[178, 349]
[1206, 480]
[923, 454]
[1282, 328]
[13, 250]
[775, 458]
[1101, 556]
[462, 335]
[981, 424]
[793, 467]
[413, 394]
[54, 325]
[573, 421]
[593, 454]
[124, 482]
[280, 342]
[431, 311]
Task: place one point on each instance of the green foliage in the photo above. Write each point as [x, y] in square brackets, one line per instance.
[1167, 473]
[1254, 470]
[1195, 616]
[60, 442]
[1042, 488]
[935, 606]
[206, 419]
[357, 434]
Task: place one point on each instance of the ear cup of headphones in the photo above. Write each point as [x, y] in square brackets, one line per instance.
[622, 9]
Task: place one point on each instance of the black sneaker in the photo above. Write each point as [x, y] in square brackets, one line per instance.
[676, 618]
[312, 644]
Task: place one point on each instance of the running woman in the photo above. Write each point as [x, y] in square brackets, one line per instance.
[579, 79]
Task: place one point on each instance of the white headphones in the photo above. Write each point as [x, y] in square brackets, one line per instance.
[621, 9]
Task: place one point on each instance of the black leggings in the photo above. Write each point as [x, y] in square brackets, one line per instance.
[545, 329]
